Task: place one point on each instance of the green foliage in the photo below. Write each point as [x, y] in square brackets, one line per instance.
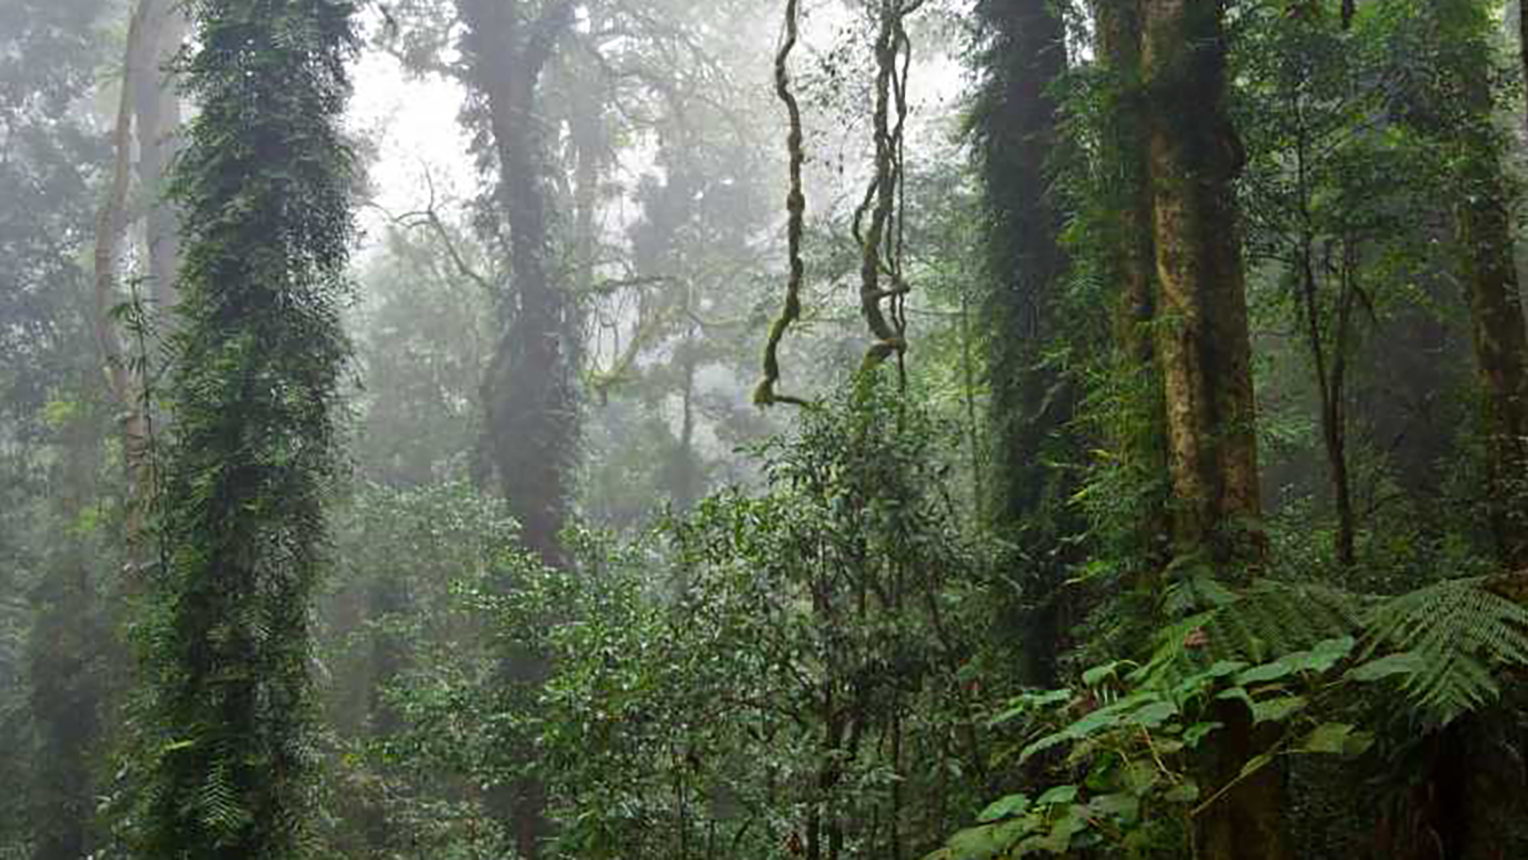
[1133, 738]
[224, 742]
[1447, 644]
[808, 634]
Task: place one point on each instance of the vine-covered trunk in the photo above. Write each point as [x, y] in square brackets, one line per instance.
[1205, 352]
[528, 391]
[1032, 401]
[265, 183]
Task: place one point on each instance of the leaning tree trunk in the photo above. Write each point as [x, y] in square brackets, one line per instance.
[1032, 403]
[1205, 352]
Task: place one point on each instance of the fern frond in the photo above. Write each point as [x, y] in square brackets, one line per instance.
[1459, 631]
[1268, 619]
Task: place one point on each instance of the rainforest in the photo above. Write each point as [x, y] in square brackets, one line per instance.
[763, 429]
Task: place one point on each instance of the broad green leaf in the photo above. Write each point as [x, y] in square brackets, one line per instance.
[1058, 794]
[1278, 709]
[1239, 693]
[1404, 663]
[1335, 739]
[1266, 672]
[1154, 714]
[1004, 807]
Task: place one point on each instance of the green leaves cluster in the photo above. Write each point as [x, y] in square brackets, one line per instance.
[1135, 739]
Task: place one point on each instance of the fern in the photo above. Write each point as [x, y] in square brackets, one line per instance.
[1269, 619]
[1455, 635]
[1446, 643]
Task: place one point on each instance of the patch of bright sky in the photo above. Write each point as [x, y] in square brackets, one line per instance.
[409, 126]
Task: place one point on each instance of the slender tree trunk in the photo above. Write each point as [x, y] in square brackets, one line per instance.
[1205, 351]
[528, 395]
[156, 110]
[112, 220]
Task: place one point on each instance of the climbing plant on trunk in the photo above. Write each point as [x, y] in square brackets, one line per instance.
[265, 184]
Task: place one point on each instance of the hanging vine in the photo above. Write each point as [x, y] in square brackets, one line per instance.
[881, 241]
[883, 287]
[795, 205]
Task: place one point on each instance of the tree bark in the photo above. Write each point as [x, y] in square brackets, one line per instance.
[1202, 339]
[156, 111]
[1205, 352]
[528, 389]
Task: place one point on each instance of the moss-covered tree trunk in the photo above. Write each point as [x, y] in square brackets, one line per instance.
[1202, 338]
[528, 389]
[1204, 348]
[1032, 402]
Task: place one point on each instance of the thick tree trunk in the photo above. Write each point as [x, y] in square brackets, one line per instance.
[528, 390]
[1202, 339]
[1501, 358]
[1205, 353]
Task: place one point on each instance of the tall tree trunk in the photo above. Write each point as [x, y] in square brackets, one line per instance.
[528, 392]
[1469, 768]
[112, 219]
[156, 111]
[1205, 352]
[1129, 231]
[1501, 357]
[1032, 403]
[265, 182]
[1202, 339]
